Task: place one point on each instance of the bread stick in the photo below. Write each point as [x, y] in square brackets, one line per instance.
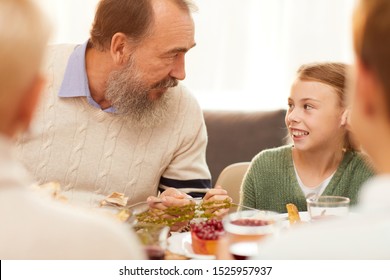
[293, 214]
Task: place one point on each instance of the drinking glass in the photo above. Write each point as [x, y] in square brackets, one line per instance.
[244, 229]
[154, 239]
[327, 207]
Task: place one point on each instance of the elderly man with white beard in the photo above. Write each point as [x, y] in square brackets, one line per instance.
[114, 116]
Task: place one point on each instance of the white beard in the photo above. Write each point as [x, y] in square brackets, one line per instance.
[129, 96]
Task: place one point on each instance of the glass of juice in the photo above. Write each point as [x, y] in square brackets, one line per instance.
[244, 229]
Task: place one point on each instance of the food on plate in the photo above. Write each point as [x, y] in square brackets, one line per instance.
[183, 214]
[205, 236]
[169, 216]
[293, 213]
[207, 209]
[115, 198]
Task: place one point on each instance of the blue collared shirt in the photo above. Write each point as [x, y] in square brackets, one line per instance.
[75, 82]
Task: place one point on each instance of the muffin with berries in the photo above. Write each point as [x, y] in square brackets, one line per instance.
[205, 236]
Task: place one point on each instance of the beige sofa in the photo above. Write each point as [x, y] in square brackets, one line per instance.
[235, 136]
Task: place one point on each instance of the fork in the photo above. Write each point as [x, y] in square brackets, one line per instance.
[158, 201]
[243, 206]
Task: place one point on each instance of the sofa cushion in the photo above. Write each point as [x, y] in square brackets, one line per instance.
[235, 136]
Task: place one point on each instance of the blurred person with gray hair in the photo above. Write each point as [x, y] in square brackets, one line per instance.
[34, 227]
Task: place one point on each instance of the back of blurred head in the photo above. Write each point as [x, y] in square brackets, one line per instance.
[24, 34]
[372, 38]
[370, 117]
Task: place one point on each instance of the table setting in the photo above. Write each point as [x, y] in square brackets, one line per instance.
[202, 235]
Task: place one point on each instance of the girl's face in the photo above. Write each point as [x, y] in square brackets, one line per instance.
[314, 116]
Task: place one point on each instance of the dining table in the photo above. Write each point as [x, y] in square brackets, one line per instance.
[177, 245]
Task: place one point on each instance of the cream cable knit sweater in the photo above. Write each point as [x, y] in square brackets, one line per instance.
[84, 148]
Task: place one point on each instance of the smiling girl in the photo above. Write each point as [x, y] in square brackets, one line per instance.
[322, 159]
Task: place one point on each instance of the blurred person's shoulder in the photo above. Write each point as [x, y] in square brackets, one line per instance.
[55, 230]
[338, 239]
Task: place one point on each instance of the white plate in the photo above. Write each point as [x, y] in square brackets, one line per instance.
[304, 216]
[285, 222]
[181, 244]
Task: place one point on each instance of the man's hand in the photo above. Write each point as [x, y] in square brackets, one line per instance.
[217, 194]
[171, 197]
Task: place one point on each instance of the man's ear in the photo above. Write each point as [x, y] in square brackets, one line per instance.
[29, 102]
[119, 48]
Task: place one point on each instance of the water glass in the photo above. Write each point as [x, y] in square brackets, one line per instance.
[327, 206]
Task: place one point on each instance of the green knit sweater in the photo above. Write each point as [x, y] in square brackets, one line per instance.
[271, 183]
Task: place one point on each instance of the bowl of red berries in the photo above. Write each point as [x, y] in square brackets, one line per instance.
[205, 235]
